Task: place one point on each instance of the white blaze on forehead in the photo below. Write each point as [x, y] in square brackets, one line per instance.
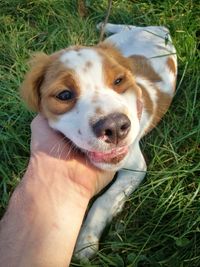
[86, 63]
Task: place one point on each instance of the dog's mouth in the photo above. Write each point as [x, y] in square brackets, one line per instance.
[113, 156]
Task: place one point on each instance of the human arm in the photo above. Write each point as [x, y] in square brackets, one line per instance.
[46, 210]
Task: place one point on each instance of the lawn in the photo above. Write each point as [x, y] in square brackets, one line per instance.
[160, 224]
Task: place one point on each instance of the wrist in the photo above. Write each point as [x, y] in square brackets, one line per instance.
[61, 205]
[49, 201]
[47, 186]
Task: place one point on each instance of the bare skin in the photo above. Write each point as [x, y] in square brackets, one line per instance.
[46, 210]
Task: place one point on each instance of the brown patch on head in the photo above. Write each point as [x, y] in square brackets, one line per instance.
[57, 79]
[171, 65]
[117, 70]
[141, 67]
[98, 111]
[88, 65]
[47, 78]
[109, 50]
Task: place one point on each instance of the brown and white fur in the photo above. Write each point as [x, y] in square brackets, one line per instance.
[104, 99]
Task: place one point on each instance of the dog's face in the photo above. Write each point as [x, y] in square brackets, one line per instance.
[89, 94]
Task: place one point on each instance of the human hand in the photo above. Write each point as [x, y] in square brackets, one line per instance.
[46, 210]
[53, 145]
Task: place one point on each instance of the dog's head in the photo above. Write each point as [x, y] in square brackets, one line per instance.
[90, 95]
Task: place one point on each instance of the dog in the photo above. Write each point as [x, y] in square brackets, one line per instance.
[105, 98]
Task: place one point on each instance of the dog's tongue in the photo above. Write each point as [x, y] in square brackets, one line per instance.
[108, 156]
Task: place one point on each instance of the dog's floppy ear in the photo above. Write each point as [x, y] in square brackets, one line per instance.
[30, 89]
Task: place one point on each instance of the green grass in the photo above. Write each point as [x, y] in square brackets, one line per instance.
[160, 224]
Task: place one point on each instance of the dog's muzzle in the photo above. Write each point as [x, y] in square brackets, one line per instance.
[112, 128]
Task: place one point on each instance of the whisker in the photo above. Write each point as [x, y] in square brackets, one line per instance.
[55, 147]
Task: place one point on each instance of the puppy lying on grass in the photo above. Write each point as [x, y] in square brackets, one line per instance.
[104, 99]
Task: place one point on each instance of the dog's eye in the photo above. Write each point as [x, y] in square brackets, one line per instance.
[118, 81]
[65, 95]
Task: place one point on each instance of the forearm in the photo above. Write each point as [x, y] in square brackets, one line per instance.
[43, 219]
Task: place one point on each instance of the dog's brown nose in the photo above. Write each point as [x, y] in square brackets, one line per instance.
[112, 128]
